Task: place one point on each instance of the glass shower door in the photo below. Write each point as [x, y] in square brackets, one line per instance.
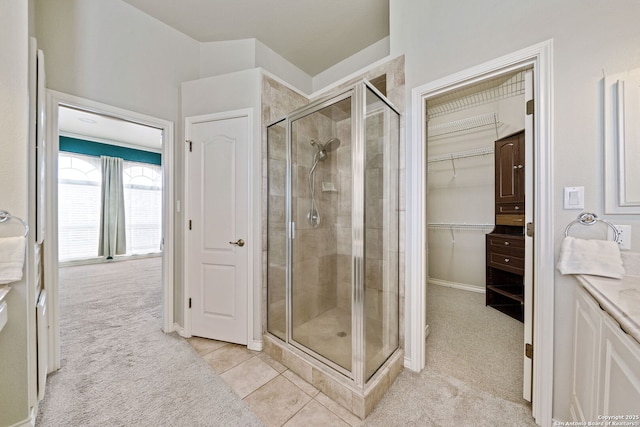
[381, 279]
[321, 182]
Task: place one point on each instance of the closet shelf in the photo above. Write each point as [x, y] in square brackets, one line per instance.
[509, 291]
[490, 91]
[457, 226]
[461, 154]
[469, 123]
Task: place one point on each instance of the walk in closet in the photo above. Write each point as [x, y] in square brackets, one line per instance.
[473, 294]
[462, 129]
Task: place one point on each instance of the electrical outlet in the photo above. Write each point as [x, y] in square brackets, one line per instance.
[624, 236]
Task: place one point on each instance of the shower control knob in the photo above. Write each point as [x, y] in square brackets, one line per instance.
[240, 243]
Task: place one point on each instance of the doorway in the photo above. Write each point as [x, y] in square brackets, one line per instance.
[217, 242]
[469, 338]
[86, 140]
[540, 56]
[56, 102]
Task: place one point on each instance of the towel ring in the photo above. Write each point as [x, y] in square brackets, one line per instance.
[587, 218]
[4, 215]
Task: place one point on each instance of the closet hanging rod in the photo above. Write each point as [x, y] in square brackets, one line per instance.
[469, 123]
[461, 154]
[459, 226]
[4, 216]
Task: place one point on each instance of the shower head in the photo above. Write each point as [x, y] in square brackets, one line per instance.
[329, 145]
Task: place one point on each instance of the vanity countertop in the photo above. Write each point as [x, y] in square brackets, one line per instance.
[618, 297]
[4, 290]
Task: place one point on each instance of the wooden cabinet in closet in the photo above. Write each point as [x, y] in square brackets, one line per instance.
[505, 244]
[509, 179]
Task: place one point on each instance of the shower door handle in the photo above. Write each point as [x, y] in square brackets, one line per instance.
[240, 243]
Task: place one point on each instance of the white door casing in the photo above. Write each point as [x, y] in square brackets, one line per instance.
[54, 101]
[528, 240]
[217, 216]
[540, 56]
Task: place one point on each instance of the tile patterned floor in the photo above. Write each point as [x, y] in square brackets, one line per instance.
[275, 394]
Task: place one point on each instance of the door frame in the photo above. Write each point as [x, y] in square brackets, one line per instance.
[51, 264]
[252, 241]
[540, 56]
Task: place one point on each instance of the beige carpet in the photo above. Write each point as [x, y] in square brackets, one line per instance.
[474, 343]
[119, 368]
[473, 375]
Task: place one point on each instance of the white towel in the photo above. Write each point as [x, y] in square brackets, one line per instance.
[11, 259]
[593, 257]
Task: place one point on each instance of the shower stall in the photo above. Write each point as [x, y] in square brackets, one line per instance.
[333, 295]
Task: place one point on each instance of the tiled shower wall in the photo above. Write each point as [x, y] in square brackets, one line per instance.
[314, 248]
[277, 101]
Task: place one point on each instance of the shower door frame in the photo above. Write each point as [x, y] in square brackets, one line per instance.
[357, 93]
[307, 110]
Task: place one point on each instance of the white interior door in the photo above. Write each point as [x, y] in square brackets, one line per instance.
[528, 240]
[217, 225]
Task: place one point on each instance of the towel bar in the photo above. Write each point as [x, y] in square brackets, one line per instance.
[587, 218]
[4, 215]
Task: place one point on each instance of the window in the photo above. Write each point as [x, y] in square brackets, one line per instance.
[142, 207]
[79, 188]
[79, 180]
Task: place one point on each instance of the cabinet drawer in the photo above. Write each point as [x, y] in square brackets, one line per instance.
[510, 208]
[511, 263]
[506, 244]
[516, 220]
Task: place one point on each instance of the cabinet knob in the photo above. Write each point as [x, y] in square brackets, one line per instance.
[506, 243]
[506, 260]
[517, 208]
[518, 166]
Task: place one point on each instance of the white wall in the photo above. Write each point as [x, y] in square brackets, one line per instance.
[590, 37]
[14, 102]
[111, 52]
[269, 60]
[229, 92]
[217, 58]
[353, 64]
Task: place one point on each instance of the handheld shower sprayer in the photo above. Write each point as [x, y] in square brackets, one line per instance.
[313, 217]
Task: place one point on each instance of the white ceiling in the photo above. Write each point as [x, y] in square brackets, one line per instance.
[311, 34]
[109, 130]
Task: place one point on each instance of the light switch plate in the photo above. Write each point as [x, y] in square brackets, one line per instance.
[574, 197]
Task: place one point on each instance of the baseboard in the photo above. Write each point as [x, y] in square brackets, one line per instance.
[180, 331]
[26, 423]
[407, 362]
[29, 422]
[255, 345]
[456, 285]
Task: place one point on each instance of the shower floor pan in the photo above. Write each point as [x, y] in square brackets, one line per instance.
[330, 343]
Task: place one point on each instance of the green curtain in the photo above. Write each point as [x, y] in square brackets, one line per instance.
[112, 226]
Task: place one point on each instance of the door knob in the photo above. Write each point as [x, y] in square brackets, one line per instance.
[240, 243]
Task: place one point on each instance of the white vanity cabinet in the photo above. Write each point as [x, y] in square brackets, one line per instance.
[586, 356]
[619, 373]
[606, 364]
